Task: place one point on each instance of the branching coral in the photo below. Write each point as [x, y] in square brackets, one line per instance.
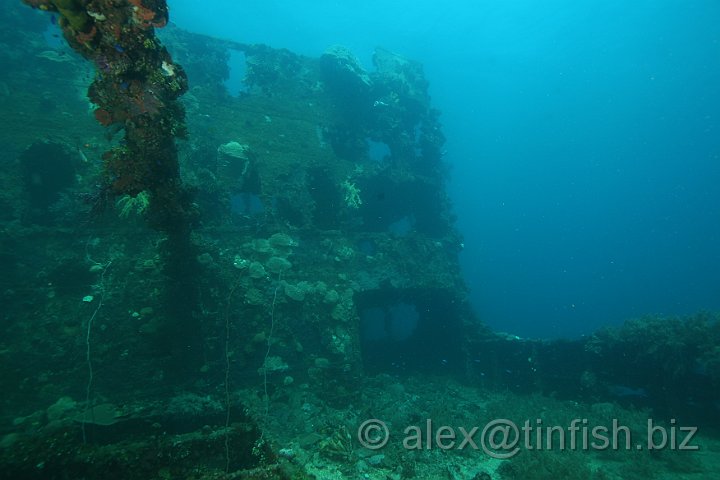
[129, 204]
[352, 194]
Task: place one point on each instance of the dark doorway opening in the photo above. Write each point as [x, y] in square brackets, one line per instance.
[410, 331]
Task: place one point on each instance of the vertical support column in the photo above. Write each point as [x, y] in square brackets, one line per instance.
[136, 90]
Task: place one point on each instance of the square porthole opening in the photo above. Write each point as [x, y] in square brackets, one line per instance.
[410, 331]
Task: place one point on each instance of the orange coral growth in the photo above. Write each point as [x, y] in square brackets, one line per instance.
[103, 116]
[128, 175]
[160, 23]
[144, 14]
[87, 37]
[147, 17]
[132, 92]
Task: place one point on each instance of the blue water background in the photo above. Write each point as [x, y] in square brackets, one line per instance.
[584, 139]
